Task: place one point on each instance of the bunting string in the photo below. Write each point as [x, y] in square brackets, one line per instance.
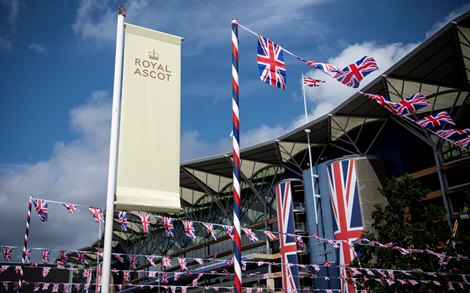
[186, 269]
[384, 277]
[271, 235]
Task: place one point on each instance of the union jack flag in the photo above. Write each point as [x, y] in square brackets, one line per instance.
[464, 142]
[311, 82]
[81, 257]
[194, 282]
[270, 235]
[300, 242]
[433, 120]
[26, 254]
[118, 257]
[127, 276]
[166, 260]
[189, 229]
[152, 274]
[63, 255]
[383, 101]
[7, 252]
[150, 260]
[145, 221]
[123, 220]
[271, 67]
[288, 247]
[328, 68]
[169, 228]
[182, 262]
[46, 255]
[70, 207]
[199, 261]
[452, 132]
[229, 231]
[250, 234]
[164, 277]
[133, 261]
[352, 74]
[210, 228]
[55, 287]
[41, 208]
[347, 224]
[177, 276]
[45, 286]
[97, 214]
[410, 105]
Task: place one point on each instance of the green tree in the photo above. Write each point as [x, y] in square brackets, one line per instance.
[409, 222]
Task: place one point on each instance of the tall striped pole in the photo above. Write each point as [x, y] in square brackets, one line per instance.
[25, 243]
[237, 246]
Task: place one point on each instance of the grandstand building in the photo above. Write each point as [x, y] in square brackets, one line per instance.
[359, 140]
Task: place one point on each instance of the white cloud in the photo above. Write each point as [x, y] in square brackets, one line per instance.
[8, 29]
[455, 13]
[14, 6]
[202, 28]
[193, 147]
[76, 172]
[96, 21]
[38, 48]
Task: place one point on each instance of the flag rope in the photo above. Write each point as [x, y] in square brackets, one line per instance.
[333, 242]
[315, 267]
[385, 274]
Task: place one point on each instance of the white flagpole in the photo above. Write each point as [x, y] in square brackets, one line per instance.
[307, 131]
[113, 150]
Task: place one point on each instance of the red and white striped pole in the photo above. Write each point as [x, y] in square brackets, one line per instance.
[237, 246]
[25, 243]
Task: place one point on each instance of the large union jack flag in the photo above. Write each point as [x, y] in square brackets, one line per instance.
[433, 120]
[288, 246]
[353, 74]
[41, 208]
[271, 67]
[347, 225]
[410, 105]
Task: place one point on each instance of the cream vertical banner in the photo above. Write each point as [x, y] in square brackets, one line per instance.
[149, 135]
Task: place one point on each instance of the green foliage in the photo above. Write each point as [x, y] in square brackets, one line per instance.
[407, 221]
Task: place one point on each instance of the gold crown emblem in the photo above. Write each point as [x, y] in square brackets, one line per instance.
[154, 55]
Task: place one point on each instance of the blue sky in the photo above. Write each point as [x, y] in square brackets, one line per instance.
[56, 70]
